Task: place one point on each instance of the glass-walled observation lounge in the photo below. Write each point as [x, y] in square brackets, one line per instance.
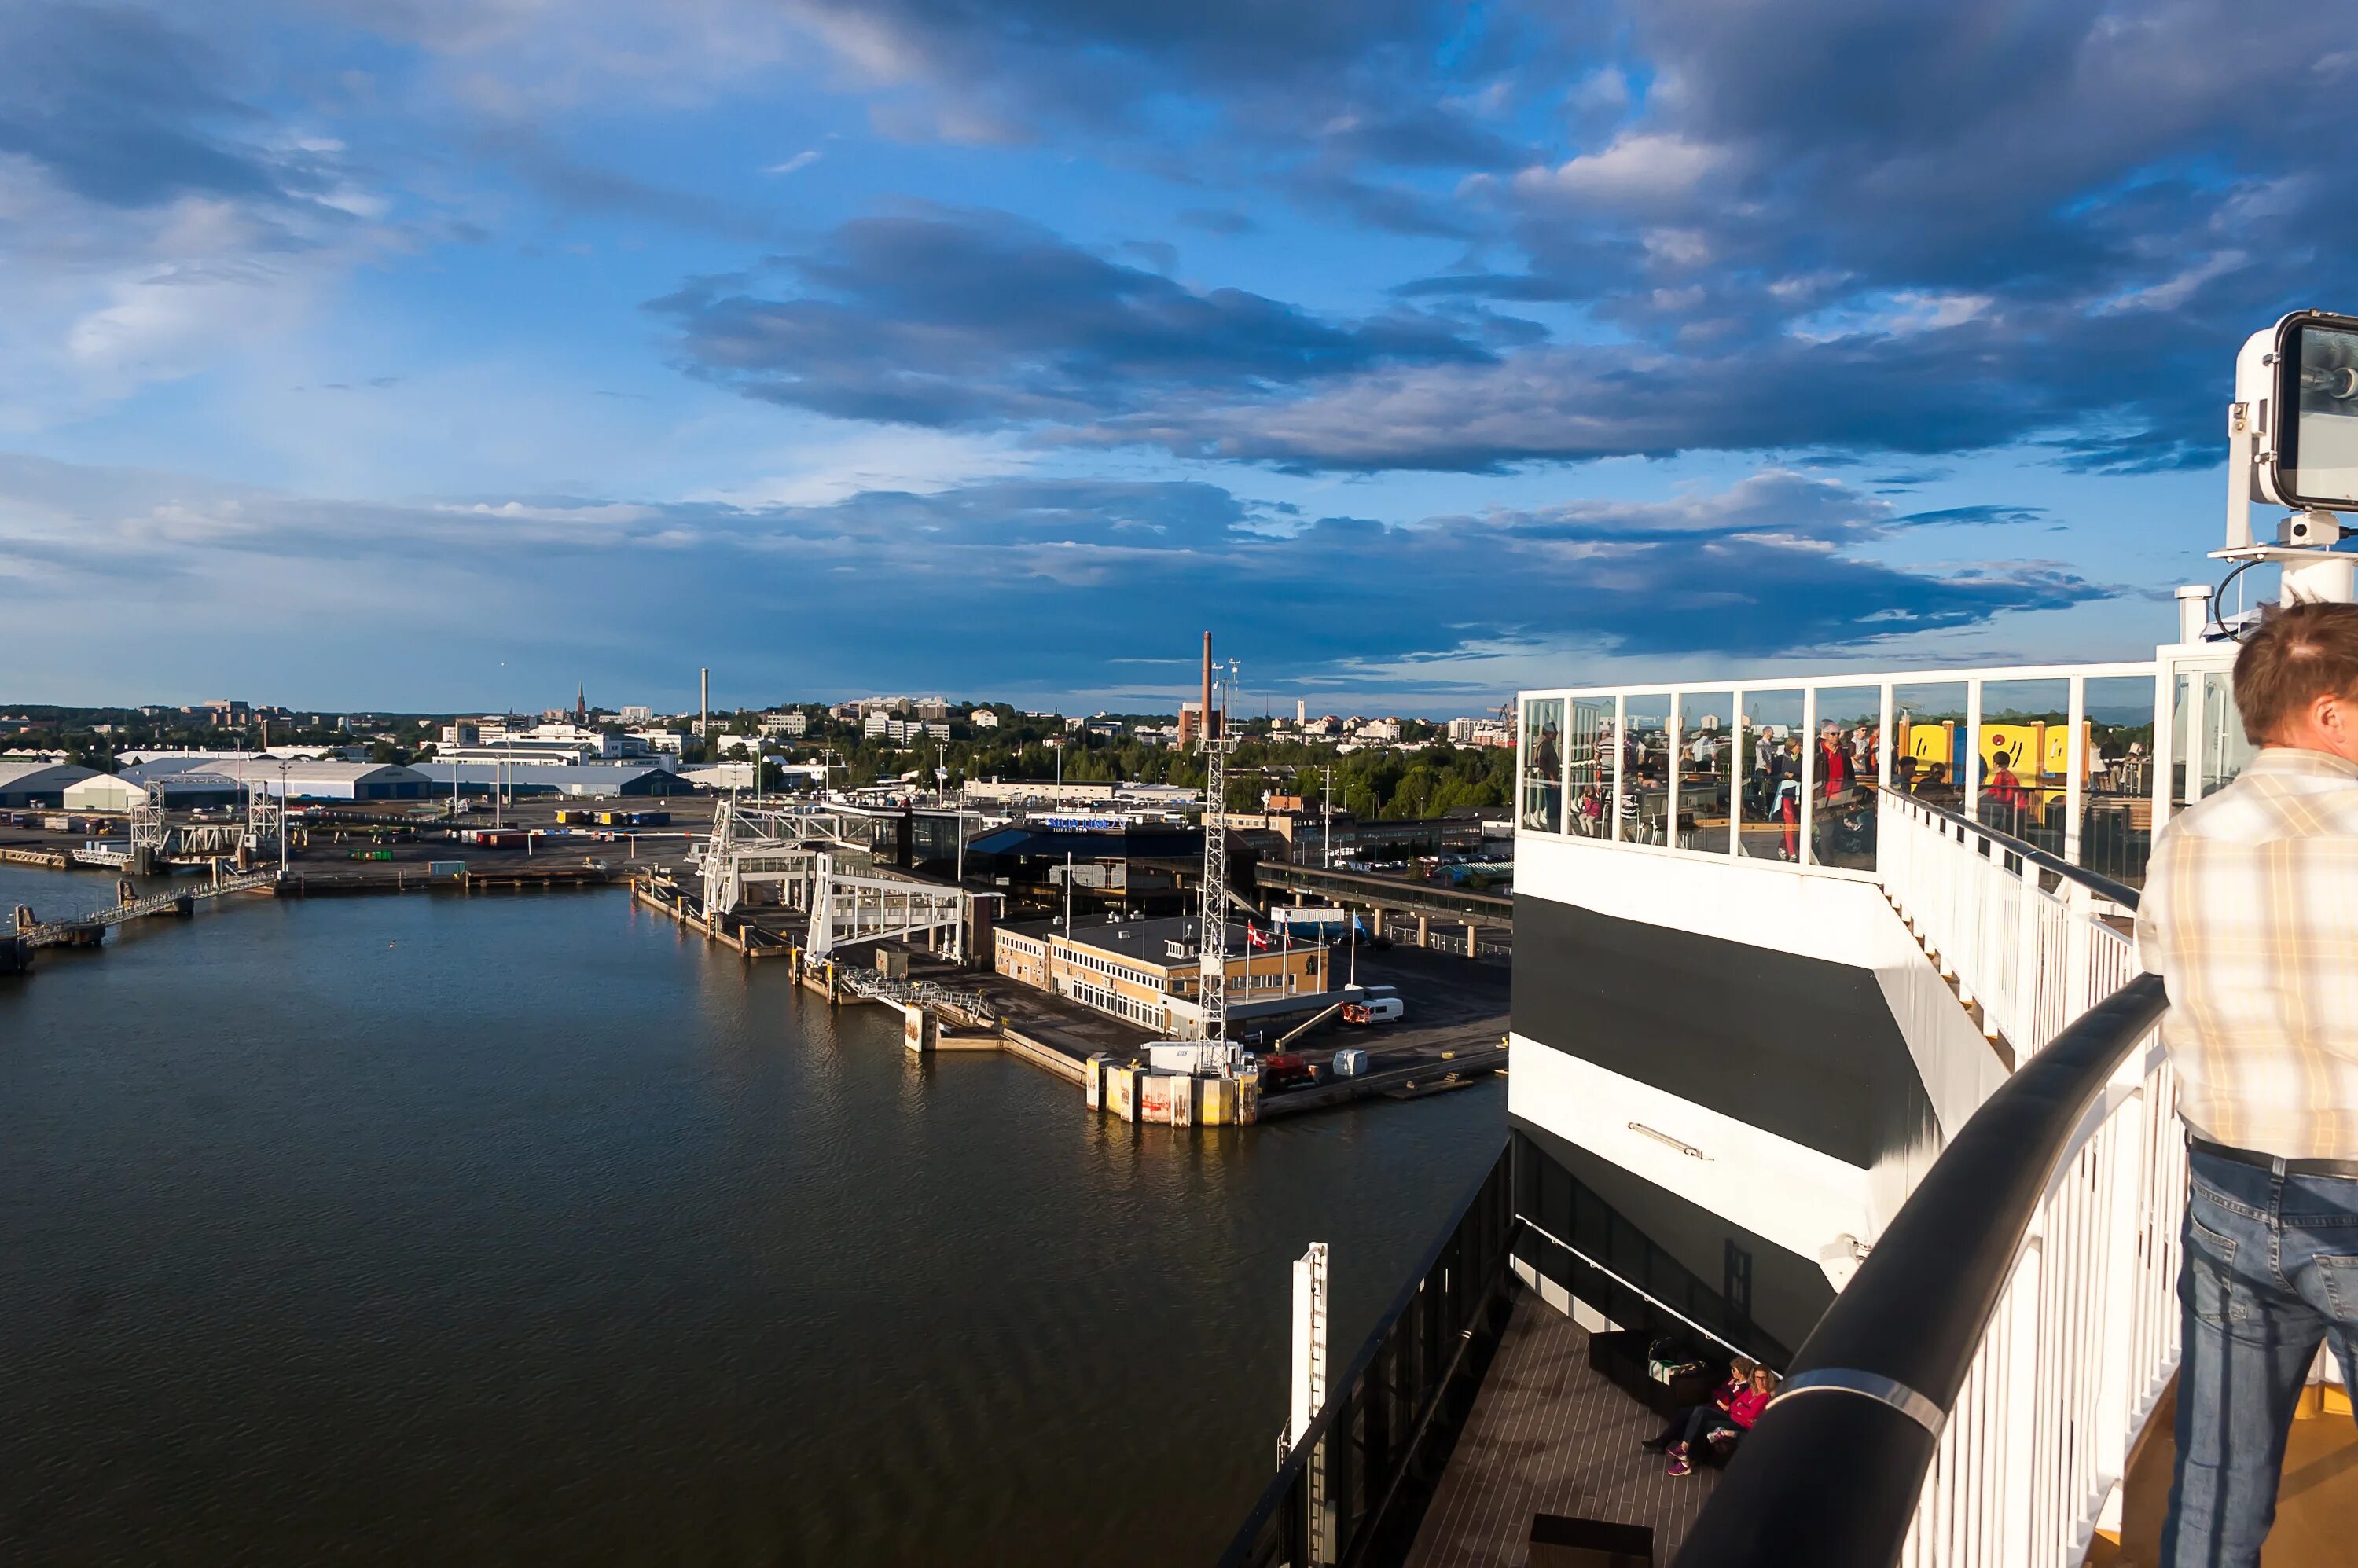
[1789, 771]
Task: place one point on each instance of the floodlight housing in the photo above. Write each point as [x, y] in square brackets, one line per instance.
[2298, 384]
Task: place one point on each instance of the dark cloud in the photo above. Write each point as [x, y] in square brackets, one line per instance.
[579, 186]
[1976, 514]
[1492, 285]
[1028, 51]
[1223, 221]
[1423, 137]
[1389, 205]
[2079, 210]
[1770, 566]
[123, 110]
[1324, 100]
[934, 317]
[1929, 392]
[1035, 583]
[1830, 224]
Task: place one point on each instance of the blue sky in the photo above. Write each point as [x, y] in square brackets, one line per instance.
[440, 353]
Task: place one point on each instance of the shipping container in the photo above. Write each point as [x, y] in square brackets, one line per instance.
[446, 868]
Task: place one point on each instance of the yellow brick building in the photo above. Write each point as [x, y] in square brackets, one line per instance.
[1131, 968]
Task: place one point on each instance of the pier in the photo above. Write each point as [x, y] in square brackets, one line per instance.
[30, 934]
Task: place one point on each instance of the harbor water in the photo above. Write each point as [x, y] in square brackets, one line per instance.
[521, 1228]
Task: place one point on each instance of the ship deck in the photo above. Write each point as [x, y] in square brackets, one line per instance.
[2316, 1501]
[1547, 1436]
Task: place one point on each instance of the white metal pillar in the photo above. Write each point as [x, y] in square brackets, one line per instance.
[1309, 1391]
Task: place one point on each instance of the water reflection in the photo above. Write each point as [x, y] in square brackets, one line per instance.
[445, 1230]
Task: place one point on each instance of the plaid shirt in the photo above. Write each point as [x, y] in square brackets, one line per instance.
[2250, 914]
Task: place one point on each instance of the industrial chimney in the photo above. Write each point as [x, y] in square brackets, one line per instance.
[703, 701]
[1204, 726]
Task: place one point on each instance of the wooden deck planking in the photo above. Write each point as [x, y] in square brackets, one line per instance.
[2316, 1500]
[1547, 1436]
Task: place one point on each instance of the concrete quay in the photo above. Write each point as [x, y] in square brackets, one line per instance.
[1458, 1035]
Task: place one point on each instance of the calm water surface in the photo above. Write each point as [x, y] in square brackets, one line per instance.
[518, 1229]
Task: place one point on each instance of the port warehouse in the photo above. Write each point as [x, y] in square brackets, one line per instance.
[38, 783]
[1136, 969]
[113, 795]
[587, 780]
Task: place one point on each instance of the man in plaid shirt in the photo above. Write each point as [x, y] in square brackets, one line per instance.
[2250, 913]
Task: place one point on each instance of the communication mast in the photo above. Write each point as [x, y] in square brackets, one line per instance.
[1213, 925]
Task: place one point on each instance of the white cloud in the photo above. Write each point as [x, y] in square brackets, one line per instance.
[2175, 290]
[846, 459]
[801, 160]
[1900, 314]
[1639, 168]
[104, 301]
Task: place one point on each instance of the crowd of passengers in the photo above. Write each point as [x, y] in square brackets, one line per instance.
[1771, 794]
[1846, 761]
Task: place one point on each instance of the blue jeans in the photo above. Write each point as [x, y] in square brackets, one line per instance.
[2271, 1268]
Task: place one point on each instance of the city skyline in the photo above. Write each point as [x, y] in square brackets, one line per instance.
[431, 356]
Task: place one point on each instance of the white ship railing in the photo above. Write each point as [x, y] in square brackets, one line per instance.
[1971, 1399]
[2078, 1351]
[2083, 1342]
[2031, 941]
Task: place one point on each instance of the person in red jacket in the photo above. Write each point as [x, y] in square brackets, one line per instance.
[1742, 1410]
[1693, 1421]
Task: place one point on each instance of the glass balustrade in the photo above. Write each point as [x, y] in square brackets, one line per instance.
[1846, 766]
[1645, 769]
[1791, 773]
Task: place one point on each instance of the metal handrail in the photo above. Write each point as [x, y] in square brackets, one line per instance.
[2102, 886]
[1835, 1472]
[1327, 1423]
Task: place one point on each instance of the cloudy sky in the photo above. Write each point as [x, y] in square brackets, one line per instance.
[432, 353]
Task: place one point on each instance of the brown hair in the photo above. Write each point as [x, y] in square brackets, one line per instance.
[2301, 653]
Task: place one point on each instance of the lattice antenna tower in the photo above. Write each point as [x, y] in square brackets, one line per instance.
[1212, 924]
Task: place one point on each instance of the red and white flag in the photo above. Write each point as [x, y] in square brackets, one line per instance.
[1256, 935]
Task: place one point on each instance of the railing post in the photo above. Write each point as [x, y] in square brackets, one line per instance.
[1972, 770]
[1809, 772]
[2023, 1032]
[2078, 941]
[2075, 764]
[2016, 1465]
[2124, 1225]
[1620, 750]
[1955, 956]
[1670, 778]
